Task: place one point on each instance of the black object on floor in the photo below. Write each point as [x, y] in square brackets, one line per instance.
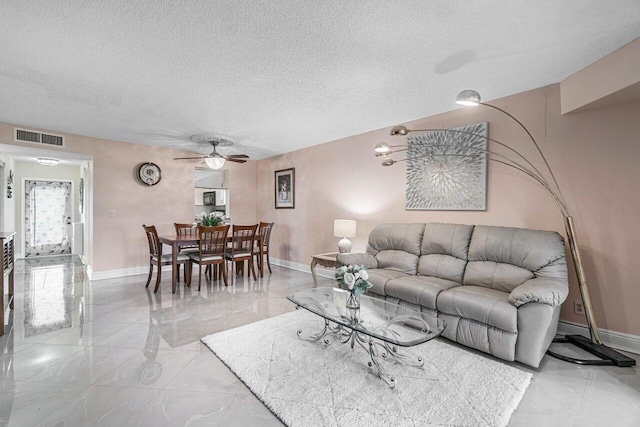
[608, 356]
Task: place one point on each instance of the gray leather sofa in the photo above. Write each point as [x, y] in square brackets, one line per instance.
[499, 289]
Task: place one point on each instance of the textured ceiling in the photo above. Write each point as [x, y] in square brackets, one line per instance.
[277, 75]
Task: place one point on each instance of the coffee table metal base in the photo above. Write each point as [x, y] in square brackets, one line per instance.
[375, 348]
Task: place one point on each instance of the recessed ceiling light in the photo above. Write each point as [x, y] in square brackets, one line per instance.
[48, 162]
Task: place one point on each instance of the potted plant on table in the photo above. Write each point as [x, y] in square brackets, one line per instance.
[353, 278]
[210, 219]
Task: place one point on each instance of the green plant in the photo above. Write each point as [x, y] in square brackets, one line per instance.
[209, 219]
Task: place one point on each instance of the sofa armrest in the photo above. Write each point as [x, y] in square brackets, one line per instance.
[368, 261]
[543, 290]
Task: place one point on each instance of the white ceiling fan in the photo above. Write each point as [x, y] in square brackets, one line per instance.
[215, 160]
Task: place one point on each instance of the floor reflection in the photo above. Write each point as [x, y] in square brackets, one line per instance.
[111, 352]
[48, 298]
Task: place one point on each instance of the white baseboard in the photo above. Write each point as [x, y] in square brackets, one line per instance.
[618, 340]
[305, 268]
[134, 271]
[123, 272]
[19, 255]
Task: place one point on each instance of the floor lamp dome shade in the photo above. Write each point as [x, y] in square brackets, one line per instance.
[382, 148]
[468, 98]
[214, 162]
[399, 130]
[344, 228]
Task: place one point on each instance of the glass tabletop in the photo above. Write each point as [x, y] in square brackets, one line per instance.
[377, 318]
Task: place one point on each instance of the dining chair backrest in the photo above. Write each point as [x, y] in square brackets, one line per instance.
[186, 230]
[213, 240]
[243, 237]
[264, 230]
[155, 248]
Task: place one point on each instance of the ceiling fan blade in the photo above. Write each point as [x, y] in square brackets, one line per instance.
[236, 156]
[190, 158]
[236, 160]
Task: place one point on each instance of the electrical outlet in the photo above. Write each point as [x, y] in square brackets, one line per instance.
[112, 213]
[578, 308]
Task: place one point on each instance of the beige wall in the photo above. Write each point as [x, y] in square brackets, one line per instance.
[119, 243]
[594, 154]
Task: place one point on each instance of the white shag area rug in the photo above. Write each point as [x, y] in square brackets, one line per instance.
[314, 384]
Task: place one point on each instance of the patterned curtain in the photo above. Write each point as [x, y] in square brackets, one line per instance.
[47, 218]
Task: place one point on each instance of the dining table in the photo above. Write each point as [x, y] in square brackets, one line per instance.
[176, 242]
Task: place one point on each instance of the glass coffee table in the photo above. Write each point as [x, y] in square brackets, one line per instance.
[379, 327]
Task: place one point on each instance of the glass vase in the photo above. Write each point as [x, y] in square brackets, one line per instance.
[353, 300]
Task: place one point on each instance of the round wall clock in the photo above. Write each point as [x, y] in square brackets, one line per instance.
[149, 173]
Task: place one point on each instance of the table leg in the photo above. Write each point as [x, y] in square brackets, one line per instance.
[174, 267]
[261, 263]
[11, 288]
[313, 272]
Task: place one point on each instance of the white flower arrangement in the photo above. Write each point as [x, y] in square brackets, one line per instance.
[210, 219]
[354, 278]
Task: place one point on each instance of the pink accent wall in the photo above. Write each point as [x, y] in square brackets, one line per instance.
[614, 78]
[594, 154]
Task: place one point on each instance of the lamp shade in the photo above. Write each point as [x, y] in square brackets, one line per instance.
[214, 162]
[344, 228]
[382, 148]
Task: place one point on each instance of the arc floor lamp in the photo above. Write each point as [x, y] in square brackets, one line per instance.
[546, 178]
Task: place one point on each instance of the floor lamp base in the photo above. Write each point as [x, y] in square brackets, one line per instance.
[608, 356]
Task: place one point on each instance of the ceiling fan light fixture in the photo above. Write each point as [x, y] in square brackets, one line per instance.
[214, 162]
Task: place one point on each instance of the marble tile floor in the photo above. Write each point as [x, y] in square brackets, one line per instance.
[110, 353]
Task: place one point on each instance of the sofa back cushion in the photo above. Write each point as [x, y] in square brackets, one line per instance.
[503, 258]
[444, 251]
[396, 246]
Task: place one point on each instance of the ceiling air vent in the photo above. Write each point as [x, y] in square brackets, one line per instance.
[24, 135]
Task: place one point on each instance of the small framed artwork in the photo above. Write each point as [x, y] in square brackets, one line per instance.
[285, 188]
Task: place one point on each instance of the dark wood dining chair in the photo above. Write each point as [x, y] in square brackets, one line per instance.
[157, 258]
[186, 230]
[241, 250]
[211, 251]
[264, 230]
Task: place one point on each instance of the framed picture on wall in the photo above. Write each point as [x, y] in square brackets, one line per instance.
[285, 183]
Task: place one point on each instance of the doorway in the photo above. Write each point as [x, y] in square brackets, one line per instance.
[47, 217]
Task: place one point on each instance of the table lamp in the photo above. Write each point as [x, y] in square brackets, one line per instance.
[344, 228]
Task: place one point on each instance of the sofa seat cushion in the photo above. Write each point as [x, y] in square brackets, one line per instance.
[420, 290]
[379, 278]
[485, 305]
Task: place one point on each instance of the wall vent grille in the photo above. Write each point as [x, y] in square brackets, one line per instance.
[33, 137]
